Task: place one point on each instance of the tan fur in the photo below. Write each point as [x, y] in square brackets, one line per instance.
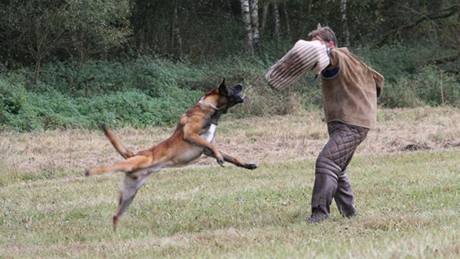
[184, 146]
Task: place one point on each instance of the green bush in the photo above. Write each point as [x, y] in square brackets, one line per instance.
[436, 87]
[153, 76]
[52, 110]
[429, 86]
[150, 91]
[100, 77]
[396, 61]
[401, 94]
[12, 97]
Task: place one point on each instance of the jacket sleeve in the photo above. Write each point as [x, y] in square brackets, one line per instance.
[379, 81]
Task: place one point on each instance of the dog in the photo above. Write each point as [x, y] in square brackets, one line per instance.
[194, 136]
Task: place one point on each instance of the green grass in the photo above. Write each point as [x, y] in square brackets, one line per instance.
[408, 207]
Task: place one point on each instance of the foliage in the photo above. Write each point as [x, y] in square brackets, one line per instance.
[70, 63]
[52, 109]
[42, 31]
[38, 31]
[12, 99]
[155, 91]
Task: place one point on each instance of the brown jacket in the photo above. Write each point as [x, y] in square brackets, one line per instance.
[351, 95]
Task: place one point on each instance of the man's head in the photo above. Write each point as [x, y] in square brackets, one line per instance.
[324, 34]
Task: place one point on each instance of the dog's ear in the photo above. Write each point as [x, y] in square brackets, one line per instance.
[223, 88]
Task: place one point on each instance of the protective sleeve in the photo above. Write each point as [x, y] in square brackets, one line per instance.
[305, 56]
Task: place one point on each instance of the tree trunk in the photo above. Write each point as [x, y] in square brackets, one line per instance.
[309, 5]
[38, 47]
[254, 8]
[276, 15]
[346, 32]
[144, 22]
[245, 10]
[38, 66]
[176, 39]
[286, 19]
[264, 16]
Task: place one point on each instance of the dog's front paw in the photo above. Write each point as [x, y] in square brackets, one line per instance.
[220, 162]
[250, 166]
[219, 159]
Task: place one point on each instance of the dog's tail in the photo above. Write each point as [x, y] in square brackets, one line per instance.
[116, 142]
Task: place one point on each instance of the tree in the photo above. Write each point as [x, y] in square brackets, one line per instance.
[34, 29]
[246, 14]
[417, 20]
[346, 32]
[277, 19]
[286, 18]
[176, 39]
[39, 30]
[95, 27]
[249, 10]
[255, 23]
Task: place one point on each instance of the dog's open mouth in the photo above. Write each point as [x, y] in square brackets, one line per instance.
[236, 94]
[240, 98]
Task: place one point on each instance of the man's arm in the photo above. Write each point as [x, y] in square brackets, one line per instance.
[379, 81]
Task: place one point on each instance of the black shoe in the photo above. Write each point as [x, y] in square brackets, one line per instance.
[316, 218]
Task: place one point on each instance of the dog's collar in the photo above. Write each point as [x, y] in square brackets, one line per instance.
[202, 102]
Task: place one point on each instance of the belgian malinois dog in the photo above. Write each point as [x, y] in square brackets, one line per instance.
[193, 136]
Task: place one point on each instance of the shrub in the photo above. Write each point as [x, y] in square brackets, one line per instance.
[12, 97]
[153, 91]
[429, 86]
[51, 109]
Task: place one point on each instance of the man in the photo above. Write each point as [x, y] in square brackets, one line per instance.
[350, 89]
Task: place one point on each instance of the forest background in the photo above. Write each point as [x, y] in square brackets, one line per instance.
[139, 63]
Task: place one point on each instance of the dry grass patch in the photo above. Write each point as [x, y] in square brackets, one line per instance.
[259, 139]
[395, 222]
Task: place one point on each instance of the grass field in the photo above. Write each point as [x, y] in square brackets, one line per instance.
[408, 202]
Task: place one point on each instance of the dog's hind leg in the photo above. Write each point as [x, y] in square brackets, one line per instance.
[129, 165]
[131, 184]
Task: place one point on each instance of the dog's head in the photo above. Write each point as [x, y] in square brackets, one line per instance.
[227, 96]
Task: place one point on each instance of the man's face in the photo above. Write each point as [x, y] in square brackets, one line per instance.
[329, 44]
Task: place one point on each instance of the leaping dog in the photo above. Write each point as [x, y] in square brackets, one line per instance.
[194, 135]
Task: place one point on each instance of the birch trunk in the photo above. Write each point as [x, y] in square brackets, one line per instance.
[286, 18]
[276, 16]
[255, 23]
[245, 9]
[346, 32]
[309, 4]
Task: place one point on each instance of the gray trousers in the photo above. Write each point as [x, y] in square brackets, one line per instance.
[331, 180]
